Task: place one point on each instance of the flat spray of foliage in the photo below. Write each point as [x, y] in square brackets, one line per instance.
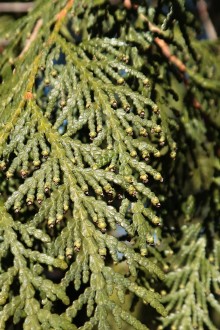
[110, 172]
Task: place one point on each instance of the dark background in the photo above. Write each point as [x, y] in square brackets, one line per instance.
[213, 8]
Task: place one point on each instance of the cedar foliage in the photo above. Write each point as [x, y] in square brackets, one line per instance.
[110, 171]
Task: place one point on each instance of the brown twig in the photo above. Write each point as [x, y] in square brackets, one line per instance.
[32, 37]
[15, 7]
[3, 43]
[126, 3]
[164, 47]
[167, 53]
[206, 21]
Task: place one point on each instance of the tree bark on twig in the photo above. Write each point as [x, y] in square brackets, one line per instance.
[15, 7]
[32, 37]
[206, 21]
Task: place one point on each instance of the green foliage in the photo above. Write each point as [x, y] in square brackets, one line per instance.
[109, 146]
[194, 283]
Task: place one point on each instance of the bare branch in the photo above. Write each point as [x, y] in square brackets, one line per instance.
[164, 47]
[32, 37]
[3, 43]
[15, 7]
[206, 21]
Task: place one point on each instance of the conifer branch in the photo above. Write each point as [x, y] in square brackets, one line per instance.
[109, 176]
